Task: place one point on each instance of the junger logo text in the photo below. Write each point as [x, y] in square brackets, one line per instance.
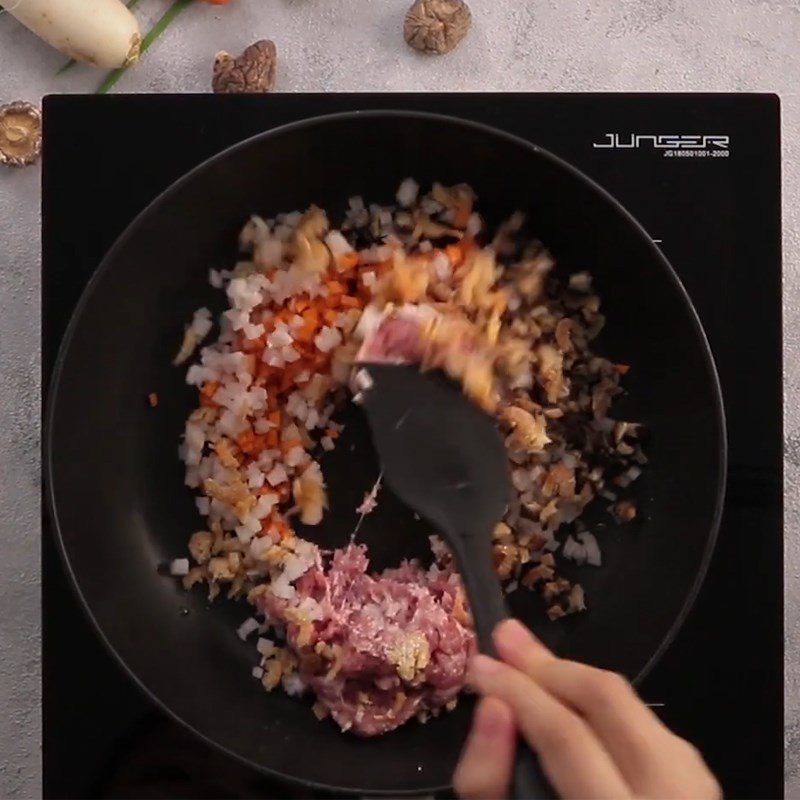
[632, 141]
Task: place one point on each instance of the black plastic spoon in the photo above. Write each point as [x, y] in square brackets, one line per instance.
[444, 457]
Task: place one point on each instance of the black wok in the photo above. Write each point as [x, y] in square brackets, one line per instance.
[115, 485]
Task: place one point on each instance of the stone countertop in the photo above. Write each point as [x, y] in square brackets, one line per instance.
[352, 45]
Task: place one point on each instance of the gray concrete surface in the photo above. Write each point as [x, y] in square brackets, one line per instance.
[329, 45]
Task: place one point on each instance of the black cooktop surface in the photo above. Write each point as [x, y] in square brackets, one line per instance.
[700, 172]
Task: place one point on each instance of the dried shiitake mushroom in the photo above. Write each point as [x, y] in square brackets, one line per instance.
[20, 134]
[253, 72]
[437, 26]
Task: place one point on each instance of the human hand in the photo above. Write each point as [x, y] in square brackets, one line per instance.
[593, 735]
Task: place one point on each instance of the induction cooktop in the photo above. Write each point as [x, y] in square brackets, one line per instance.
[701, 172]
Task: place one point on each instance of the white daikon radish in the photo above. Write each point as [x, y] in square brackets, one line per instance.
[99, 32]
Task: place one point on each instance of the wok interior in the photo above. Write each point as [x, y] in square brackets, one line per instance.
[117, 484]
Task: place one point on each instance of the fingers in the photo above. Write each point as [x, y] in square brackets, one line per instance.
[484, 770]
[606, 699]
[643, 749]
[571, 755]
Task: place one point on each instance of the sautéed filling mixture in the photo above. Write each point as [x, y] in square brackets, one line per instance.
[421, 282]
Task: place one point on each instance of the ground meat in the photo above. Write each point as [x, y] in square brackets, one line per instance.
[396, 340]
[384, 647]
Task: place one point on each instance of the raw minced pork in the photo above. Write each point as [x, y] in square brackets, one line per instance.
[376, 650]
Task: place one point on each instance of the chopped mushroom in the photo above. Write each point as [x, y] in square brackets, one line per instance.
[253, 72]
[529, 431]
[20, 134]
[200, 546]
[437, 26]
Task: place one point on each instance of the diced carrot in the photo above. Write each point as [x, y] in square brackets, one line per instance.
[245, 440]
[330, 316]
[272, 438]
[265, 371]
[253, 345]
[305, 334]
[284, 530]
[289, 373]
[152, 398]
[463, 213]
[289, 444]
[382, 266]
[454, 253]
[209, 388]
[347, 261]
[332, 433]
[301, 303]
[348, 301]
[622, 369]
[287, 381]
[284, 490]
[335, 287]
[207, 392]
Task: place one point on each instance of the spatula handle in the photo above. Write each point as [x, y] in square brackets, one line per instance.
[488, 607]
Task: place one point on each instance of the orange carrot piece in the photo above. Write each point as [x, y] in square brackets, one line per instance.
[289, 444]
[463, 213]
[348, 301]
[622, 369]
[330, 316]
[466, 244]
[245, 440]
[347, 261]
[290, 372]
[305, 334]
[382, 267]
[207, 392]
[332, 434]
[253, 345]
[272, 438]
[454, 253]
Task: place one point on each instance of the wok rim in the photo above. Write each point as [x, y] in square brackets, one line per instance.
[105, 265]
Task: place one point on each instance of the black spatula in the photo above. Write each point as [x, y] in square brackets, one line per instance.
[444, 457]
